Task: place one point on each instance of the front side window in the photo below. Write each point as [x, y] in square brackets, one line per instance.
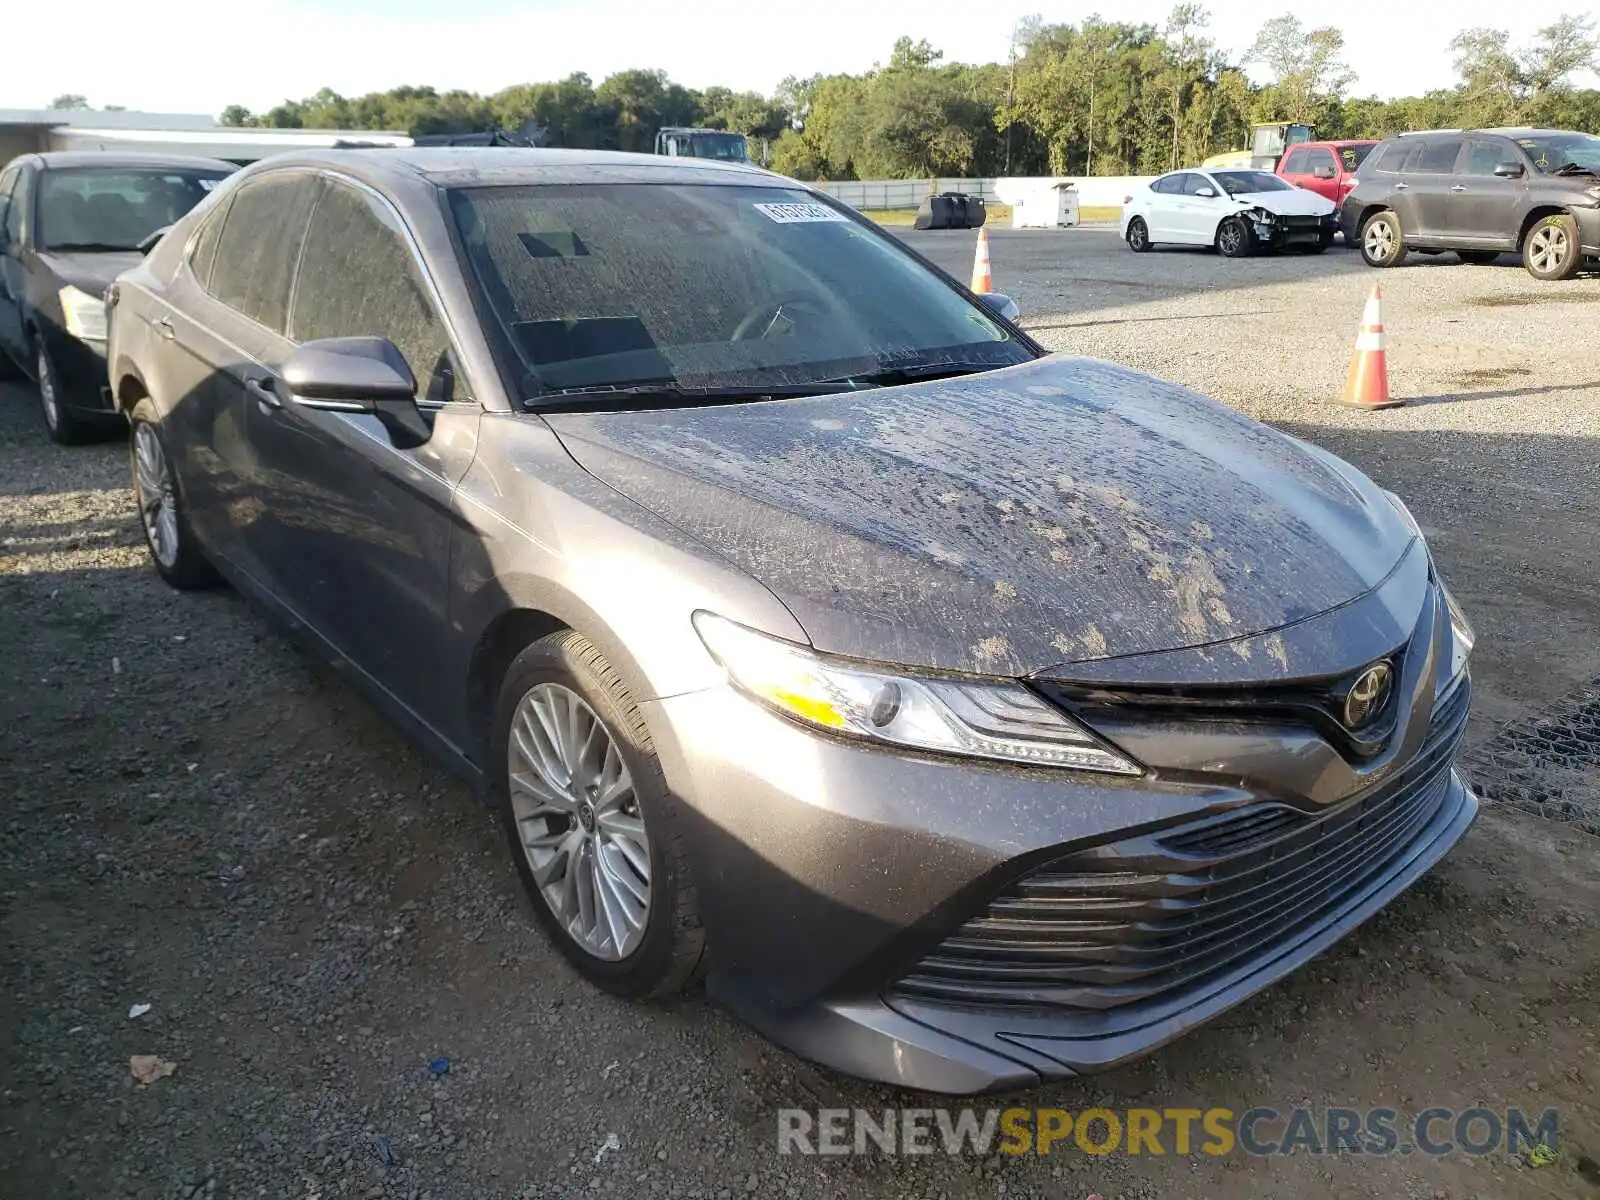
[98, 208]
[359, 278]
[1243, 183]
[1193, 185]
[1321, 159]
[255, 255]
[15, 199]
[1483, 156]
[709, 286]
[1295, 163]
[1438, 158]
[1563, 153]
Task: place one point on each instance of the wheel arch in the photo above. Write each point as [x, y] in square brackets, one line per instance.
[1368, 211]
[1538, 213]
[130, 388]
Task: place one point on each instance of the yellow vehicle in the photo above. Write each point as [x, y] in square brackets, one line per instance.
[1267, 145]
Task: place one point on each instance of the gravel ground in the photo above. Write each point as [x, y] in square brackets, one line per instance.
[196, 817]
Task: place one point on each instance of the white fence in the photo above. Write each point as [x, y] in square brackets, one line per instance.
[1093, 191]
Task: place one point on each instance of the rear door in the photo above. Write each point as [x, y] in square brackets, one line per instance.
[354, 533]
[1486, 209]
[232, 333]
[1431, 176]
[1163, 215]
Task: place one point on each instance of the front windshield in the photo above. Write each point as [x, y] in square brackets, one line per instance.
[1551, 152]
[96, 208]
[708, 286]
[1241, 183]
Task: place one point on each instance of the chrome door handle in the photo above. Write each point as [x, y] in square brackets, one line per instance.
[261, 389]
[1400, 187]
[165, 328]
[1458, 187]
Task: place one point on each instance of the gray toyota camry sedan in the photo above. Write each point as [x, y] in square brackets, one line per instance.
[967, 715]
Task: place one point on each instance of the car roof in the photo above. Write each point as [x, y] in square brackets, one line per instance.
[1336, 142]
[468, 166]
[113, 160]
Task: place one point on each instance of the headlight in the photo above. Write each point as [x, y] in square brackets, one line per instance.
[996, 719]
[85, 314]
[1462, 638]
[1262, 215]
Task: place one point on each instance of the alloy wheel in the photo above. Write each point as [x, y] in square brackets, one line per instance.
[1229, 237]
[49, 398]
[1379, 240]
[1136, 234]
[1548, 249]
[579, 821]
[157, 499]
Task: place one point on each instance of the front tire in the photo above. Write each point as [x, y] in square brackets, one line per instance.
[591, 824]
[1382, 242]
[1550, 251]
[174, 551]
[1139, 236]
[1234, 238]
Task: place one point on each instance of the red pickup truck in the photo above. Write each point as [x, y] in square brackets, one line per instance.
[1327, 168]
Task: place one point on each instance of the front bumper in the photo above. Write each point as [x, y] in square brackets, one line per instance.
[956, 927]
[1588, 230]
[81, 373]
[1290, 232]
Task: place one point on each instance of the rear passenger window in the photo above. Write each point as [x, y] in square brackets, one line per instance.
[1168, 185]
[260, 240]
[359, 278]
[204, 249]
[1438, 158]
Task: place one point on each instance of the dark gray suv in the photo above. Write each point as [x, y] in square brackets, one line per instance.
[971, 715]
[1481, 193]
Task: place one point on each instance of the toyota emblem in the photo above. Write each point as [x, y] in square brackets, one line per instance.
[1367, 695]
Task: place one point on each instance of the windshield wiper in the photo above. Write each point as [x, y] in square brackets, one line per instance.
[88, 248]
[613, 395]
[1573, 168]
[915, 372]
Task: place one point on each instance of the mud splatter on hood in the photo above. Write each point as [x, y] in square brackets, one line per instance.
[1058, 511]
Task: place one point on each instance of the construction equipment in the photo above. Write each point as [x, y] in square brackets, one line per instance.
[720, 144]
[1268, 142]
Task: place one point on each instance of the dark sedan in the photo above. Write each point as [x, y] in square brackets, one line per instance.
[968, 715]
[72, 222]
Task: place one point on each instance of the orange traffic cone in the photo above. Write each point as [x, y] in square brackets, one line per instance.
[982, 280]
[1367, 384]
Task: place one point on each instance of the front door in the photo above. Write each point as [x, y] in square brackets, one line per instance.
[14, 195]
[1488, 208]
[355, 533]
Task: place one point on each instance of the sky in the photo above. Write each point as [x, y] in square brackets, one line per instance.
[187, 56]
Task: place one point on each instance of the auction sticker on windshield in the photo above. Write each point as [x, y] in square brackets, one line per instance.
[797, 214]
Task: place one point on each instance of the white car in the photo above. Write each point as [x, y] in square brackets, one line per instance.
[1237, 211]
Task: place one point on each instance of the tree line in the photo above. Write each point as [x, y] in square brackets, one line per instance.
[1094, 98]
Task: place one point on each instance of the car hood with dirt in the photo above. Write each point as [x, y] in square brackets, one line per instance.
[1059, 511]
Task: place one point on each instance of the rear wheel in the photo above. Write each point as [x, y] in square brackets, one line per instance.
[1478, 258]
[172, 545]
[1234, 238]
[1139, 236]
[1550, 250]
[591, 824]
[1382, 243]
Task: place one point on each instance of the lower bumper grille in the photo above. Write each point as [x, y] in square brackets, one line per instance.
[1123, 923]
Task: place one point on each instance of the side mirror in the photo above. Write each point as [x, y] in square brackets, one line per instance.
[1004, 306]
[152, 240]
[359, 375]
[1323, 172]
[1509, 170]
[1205, 192]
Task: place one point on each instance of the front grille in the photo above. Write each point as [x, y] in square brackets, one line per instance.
[1119, 924]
